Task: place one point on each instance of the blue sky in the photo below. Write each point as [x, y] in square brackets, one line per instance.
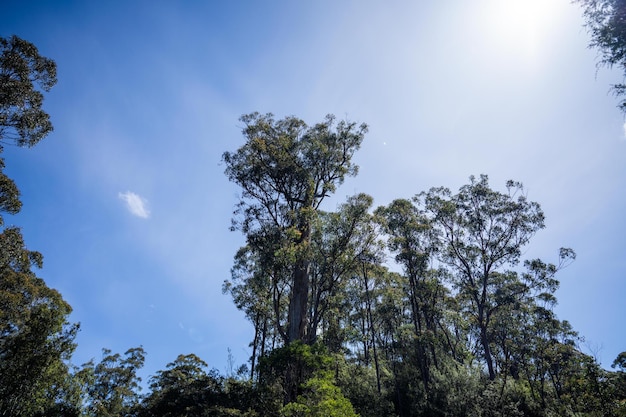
[128, 202]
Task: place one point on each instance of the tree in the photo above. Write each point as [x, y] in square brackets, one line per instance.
[314, 392]
[22, 120]
[113, 383]
[285, 170]
[257, 291]
[409, 231]
[341, 240]
[184, 388]
[36, 340]
[617, 381]
[479, 232]
[606, 23]
[22, 69]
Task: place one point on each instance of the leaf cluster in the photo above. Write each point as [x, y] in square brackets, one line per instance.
[24, 74]
[606, 23]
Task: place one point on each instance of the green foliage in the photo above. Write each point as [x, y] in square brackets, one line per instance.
[479, 232]
[466, 329]
[620, 362]
[500, 398]
[455, 391]
[180, 389]
[616, 385]
[185, 388]
[112, 385]
[606, 23]
[320, 398]
[286, 368]
[36, 340]
[359, 384]
[22, 69]
[9, 194]
[285, 170]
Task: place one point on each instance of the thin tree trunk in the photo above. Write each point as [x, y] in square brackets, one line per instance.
[371, 327]
[417, 324]
[255, 342]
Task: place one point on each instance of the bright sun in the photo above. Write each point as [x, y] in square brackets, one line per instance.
[520, 27]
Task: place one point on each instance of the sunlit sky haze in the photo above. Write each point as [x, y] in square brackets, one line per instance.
[128, 202]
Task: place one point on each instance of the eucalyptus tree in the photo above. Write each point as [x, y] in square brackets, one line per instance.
[408, 232]
[36, 339]
[260, 282]
[481, 232]
[340, 241]
[367, 302]
[113, 384]
[24, 76]
[285, 170]
[259, 287]
[186, 388]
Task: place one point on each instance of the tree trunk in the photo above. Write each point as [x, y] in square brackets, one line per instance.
[255, 342]
[484, 340]
[371, 327]
[298, 303]
[417, 324]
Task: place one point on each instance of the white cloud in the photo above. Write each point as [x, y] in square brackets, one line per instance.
[136, 204]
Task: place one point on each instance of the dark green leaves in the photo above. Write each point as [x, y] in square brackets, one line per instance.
[286, 168]
[22, 70]
[113, 384]
[35, 338]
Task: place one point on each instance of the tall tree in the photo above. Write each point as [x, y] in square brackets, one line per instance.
[408, 231]
[285, 170]
[480, 232]
[36, 339]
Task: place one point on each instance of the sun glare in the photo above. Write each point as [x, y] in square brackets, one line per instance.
[520, 27]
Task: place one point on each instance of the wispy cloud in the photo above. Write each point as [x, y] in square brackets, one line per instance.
[136, 204]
